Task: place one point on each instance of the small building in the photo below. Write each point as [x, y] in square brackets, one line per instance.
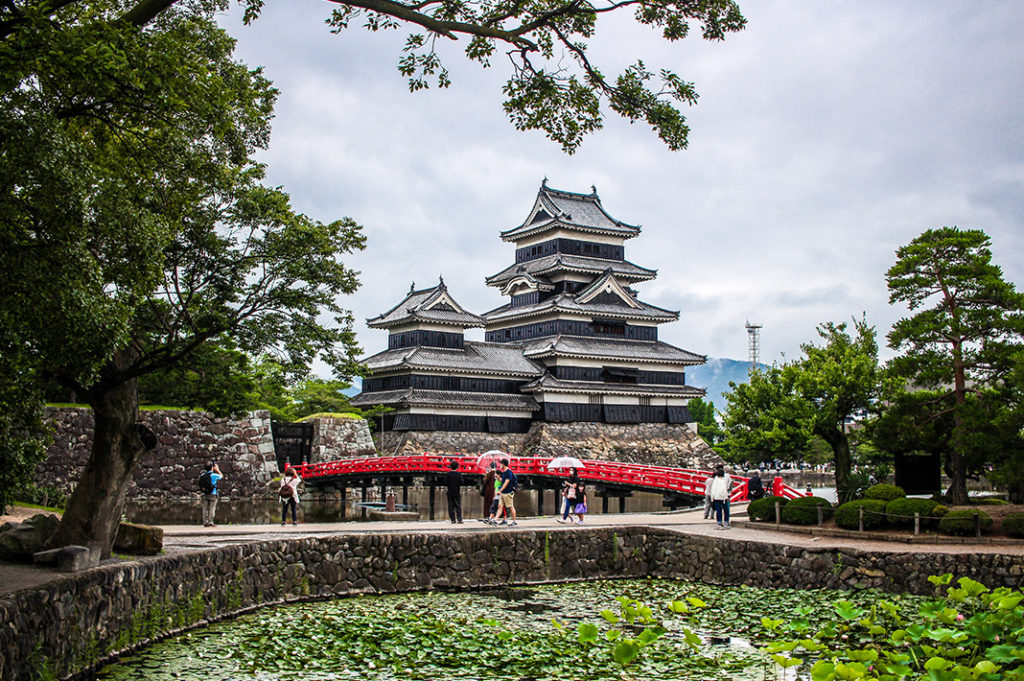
[574, 342]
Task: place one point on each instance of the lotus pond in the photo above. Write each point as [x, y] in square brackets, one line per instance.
[568, 631]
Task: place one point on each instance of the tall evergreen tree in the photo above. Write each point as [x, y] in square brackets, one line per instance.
[968, 322]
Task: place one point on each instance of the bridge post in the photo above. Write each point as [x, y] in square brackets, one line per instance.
[405, 496]
[540, 501]
[622, 503]
[344, 502]
[362, 509]
[433, 486]
[604, 502]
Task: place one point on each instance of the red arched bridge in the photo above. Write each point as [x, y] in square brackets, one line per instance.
[679, 486]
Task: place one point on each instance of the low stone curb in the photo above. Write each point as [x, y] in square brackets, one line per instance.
[815, 531]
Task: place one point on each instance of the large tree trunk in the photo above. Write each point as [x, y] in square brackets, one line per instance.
[840, 444]
[93, 512]
[958, 456]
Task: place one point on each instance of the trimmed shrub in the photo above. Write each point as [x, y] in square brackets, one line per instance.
[848, 515]
[940, 511]
[989, 501]
[961, 522]
[804, 511]
[884, 492]
[764, 509]
[901, 512]
[1013, 524]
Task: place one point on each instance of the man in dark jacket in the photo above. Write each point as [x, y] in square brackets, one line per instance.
[454, 481]
[755, 488]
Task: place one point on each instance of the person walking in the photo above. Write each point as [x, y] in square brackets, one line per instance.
[208, 481]
[721, 485]
[453, 480]
[506, 492]
[709, 507]
[581, 502]
[568, 500]
[487, 489]
[290, 495]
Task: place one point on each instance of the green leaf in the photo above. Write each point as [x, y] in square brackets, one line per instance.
[625, 652]
[587, 632]
[786, 662]
[823, 670]
[610, 616]
[937, 664]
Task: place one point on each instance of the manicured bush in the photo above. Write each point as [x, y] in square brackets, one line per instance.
[989, 501]
[940, 511]
[1013, 524]
[764, 509]
[804, 511]
[961, 522]
[901, 512]
[848, 514]
[884, 492]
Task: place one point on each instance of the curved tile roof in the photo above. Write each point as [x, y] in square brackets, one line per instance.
[564, 262]
[565, 302]
[547, 382]
[556, 207]
[612, 349]
[475, 358]
[446, 398]
[428, 305]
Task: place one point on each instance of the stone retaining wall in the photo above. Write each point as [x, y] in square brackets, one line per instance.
[339, 438]
[243, 449]
[70, 625]
[658, 444]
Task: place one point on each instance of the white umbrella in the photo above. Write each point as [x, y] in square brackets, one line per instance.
[565, 462]
[494, 456]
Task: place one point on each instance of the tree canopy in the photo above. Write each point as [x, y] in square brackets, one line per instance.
[778, 411]
[962, 340]
[136, 228]
[554, 85]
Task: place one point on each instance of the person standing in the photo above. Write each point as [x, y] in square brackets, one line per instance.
[290, 495]
[506, 492]
[755, 488]
[721, 485]
[453, 479]
[210, 494]
[489, 489]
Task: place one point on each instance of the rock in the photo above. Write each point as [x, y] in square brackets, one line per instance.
[18, 541]
[77, 558]
[139, 540]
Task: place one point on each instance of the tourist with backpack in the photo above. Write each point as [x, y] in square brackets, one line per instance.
[507, 490]
[208, 480]
[289, 495]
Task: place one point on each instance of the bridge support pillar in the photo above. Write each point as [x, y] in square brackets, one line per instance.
[344, 502]
[622, 503]
[433, 487]
[405, 497]
[362, 509]
[540, 501]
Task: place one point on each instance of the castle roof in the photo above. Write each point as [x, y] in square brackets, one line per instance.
[447, 398]
[432, 305]
[549, 383]
[568, 302]
[474, 358]
[562, 262]
[554, 208]
[617, 349]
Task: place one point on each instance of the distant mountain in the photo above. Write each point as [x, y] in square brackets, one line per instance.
[715, 375]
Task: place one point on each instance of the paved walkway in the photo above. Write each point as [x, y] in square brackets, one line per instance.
[187, 538]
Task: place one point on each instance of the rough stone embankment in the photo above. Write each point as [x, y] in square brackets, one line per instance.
[68, 626]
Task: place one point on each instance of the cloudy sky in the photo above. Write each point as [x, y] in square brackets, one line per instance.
[827, 135]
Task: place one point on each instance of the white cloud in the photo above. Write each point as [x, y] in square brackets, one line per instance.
[827, 135]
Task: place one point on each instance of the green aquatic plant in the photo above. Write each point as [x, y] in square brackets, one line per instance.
[968, 633]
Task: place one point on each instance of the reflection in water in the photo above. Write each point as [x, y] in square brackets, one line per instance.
[317, 509]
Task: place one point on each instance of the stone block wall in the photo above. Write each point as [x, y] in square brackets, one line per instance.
[649, 443]
[341, 438]
[243, 449]
[71, 625]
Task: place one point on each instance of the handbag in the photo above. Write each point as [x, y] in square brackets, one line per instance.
[581, 508]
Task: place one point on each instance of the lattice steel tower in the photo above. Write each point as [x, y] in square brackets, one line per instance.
[753, 344]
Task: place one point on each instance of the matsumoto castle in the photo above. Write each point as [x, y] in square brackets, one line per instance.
[573, 342]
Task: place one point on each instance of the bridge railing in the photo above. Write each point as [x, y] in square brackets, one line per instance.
[644, 476]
